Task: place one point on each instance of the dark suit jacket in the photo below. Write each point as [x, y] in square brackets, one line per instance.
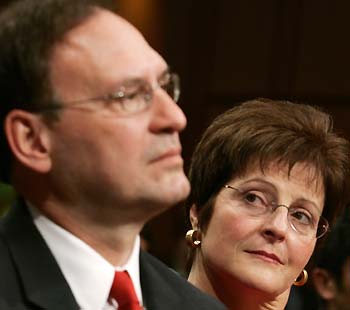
[31, 279]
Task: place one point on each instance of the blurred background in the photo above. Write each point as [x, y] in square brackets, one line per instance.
[229, 51]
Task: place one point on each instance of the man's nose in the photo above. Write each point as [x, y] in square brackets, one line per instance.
[167, 116]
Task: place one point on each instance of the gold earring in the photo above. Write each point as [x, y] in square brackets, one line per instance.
[193, 237]
[301, 279]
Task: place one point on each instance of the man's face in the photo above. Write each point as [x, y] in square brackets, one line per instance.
[99, 157]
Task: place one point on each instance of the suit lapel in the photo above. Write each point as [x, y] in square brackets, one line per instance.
[42, 280]
[156, 291]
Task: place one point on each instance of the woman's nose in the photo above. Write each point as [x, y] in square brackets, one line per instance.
[276, 223]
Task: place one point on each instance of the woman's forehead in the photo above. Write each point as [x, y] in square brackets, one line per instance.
[305, 174]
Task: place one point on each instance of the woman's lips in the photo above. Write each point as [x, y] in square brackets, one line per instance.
[266, 256]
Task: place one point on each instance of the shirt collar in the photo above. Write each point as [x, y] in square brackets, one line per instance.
[88, 274]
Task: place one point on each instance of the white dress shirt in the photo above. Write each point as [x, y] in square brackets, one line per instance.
[88, 274]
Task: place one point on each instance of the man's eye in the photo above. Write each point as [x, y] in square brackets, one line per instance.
[122, 96]
[164, 80]
[131, 95]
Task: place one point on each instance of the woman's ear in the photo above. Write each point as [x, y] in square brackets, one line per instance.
[194, 217]
[28, 139]
[325, 284]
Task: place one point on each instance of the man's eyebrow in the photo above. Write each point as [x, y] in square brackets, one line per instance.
[164, 73]
[135, 81]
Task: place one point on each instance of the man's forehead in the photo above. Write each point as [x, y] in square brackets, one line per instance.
[101, 24]
[108, 39]
[98, 54]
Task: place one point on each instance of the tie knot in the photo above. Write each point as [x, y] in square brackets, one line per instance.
[123, 292]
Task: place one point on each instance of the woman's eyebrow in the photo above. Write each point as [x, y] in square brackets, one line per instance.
[258, 180]
[272, 186]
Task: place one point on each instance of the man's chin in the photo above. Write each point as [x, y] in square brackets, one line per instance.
[179, 192]
[172, 192]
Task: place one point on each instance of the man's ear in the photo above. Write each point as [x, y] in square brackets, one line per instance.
[28, 139]
[325, 284]
[194, 217]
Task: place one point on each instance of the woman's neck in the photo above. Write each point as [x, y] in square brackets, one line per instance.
[234, 294]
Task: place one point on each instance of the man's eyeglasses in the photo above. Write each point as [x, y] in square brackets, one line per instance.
[130, 99]
[303, 220]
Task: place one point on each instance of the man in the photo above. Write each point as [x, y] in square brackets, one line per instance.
[91, 132]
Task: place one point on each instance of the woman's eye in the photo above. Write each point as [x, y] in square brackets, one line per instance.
[254, 199]
[301, 216]
[250, 197]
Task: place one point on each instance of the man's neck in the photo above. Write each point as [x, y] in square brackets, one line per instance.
[112, 238]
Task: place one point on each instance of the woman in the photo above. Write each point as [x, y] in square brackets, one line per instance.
[267, 179]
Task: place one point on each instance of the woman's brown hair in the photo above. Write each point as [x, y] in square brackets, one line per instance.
[266, 131]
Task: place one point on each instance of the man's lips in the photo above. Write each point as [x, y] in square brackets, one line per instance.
[267, 256]
[168, 154]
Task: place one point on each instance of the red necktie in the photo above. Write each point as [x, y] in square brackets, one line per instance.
[123, 292]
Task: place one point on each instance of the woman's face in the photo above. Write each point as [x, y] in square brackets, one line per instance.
[262, 252]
